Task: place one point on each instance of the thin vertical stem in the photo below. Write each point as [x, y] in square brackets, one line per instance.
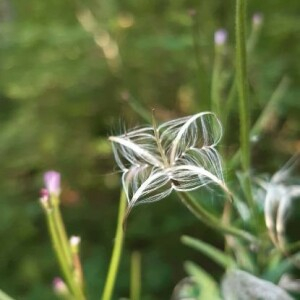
[61, 231]
[201, 72]
[216, 83]
[250, 46]
[58, 249]
[135, 280]
[269, 111]
[65, 267]
[117, 251]
[78, 274]
[242, 87]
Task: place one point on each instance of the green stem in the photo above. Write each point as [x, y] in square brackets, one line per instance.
[4, 296]
[211, 220]
[251, 42]
[66, 270]
[138, 108]
[266, 116]
[253, 37]
[202, 82]
[61, 246]
[242, 82]
[61, 231]
[135, 280]
[229, 103]
[242, 87]
[117, 251]
[216, 83]
[271, 108]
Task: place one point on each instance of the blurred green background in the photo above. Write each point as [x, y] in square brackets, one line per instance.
[72, 73]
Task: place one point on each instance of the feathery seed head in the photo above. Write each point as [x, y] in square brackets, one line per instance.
[177, 155]
[278, 201]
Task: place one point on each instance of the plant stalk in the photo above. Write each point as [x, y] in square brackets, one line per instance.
[242, 88]
[61, 231]
[57, 246]
[135, 280]
[117, 251]
[216, 83]
[211, 220]
[4, 296]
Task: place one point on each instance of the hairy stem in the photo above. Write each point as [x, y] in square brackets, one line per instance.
[242, 87]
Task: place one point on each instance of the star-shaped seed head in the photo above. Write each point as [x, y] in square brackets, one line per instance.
[178, 155]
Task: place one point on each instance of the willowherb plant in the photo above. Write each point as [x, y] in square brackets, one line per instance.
[178, 155]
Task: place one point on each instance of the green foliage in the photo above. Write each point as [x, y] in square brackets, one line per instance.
[215, 254]
[207, 285]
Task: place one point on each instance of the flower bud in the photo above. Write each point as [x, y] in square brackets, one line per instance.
[59, 287]
[44, 199]
[74, 243]
[52, 182]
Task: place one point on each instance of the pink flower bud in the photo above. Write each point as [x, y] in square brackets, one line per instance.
[52, 182]
[59, 286]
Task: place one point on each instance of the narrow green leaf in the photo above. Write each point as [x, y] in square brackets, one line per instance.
[215, 254]
[243, 257]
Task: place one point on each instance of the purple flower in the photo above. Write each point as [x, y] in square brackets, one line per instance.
[220, 37]
[52, 182]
